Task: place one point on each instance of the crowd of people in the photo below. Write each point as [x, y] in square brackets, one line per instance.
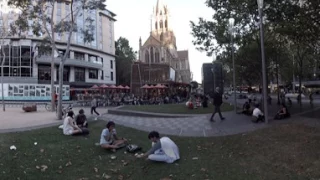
[252, 108]
[121, 98]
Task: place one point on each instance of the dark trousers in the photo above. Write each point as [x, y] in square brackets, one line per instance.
[216, 110]
[93, 109]
[258, 119]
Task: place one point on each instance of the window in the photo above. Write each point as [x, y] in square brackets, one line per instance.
[93, 74]
[79, 56]
[26, 56]
[25, 72]
[66, 72]
[111, 64]
[102, 75]
[111, 76]
[161, 24]
[79, 74]
[15, 56]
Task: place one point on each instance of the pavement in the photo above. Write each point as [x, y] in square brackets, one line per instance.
[14, 120]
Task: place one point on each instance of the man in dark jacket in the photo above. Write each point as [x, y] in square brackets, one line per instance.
[217, 102]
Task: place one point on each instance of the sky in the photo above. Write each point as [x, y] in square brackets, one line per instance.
[133, 22]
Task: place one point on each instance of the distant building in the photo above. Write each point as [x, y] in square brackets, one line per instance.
[143, 73]
[161, 48]
[27, 73]
[212, 77]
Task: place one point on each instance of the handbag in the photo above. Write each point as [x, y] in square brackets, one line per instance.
[132, 148]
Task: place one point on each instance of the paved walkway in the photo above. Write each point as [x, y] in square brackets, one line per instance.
[14, 119]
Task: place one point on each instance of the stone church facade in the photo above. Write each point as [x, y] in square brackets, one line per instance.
[161, 48]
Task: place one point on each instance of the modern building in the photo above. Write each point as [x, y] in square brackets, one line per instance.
[87, 63]
[212, 77]
[161, 48]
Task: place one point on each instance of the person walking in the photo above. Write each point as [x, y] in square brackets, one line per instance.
[217, 102]
[94, 106]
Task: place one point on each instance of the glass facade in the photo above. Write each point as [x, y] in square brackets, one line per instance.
[66, 73]
[93, 74]
[79, 75]
[44, 72]
[18, 61]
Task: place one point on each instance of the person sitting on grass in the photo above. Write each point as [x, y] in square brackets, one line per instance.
[69, 125]
[163, 149]
[257, 114]
[246, 109]
[282, 113]
[109, 138]
[81, 119]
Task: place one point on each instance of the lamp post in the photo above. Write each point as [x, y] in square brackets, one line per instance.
[264, 73]
[231, 24]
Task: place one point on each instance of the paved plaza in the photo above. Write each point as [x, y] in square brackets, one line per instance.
[14, 119]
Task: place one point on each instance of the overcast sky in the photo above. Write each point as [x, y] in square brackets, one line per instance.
[133, 21]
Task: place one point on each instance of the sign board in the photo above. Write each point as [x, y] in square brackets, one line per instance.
[31, 92]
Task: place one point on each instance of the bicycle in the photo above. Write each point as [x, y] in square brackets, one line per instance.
[65, 111]
[48, 106]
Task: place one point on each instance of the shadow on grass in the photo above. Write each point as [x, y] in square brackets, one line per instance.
[279, 152]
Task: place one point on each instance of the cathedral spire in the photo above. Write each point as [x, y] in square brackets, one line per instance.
[158, 6]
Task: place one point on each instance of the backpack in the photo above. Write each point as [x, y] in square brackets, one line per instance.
[132, 148]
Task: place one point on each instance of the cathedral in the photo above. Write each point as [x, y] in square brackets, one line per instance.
[161, 48]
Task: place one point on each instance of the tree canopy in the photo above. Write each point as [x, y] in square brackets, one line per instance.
[291, 33]
[125, 58]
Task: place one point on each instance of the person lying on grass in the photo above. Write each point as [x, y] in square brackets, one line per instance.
[109, 138]
[163, 149]
[69, 125]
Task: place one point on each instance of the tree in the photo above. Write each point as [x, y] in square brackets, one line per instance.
[285, 21]
[41, 13]
[124, 59]
[3, 34]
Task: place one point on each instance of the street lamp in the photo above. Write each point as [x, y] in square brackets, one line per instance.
[264, 74]
[231, 26]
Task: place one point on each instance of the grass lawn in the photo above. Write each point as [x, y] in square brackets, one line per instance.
[281, 152]
[176, 109]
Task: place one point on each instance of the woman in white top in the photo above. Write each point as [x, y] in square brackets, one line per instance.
[69, 125]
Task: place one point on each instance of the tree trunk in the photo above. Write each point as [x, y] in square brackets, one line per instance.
[278, 89]
[2, 89]
[53, 89]
[300, 84]
[60, 97]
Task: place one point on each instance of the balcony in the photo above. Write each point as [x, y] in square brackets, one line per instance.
[70, 62]
[18, 79]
